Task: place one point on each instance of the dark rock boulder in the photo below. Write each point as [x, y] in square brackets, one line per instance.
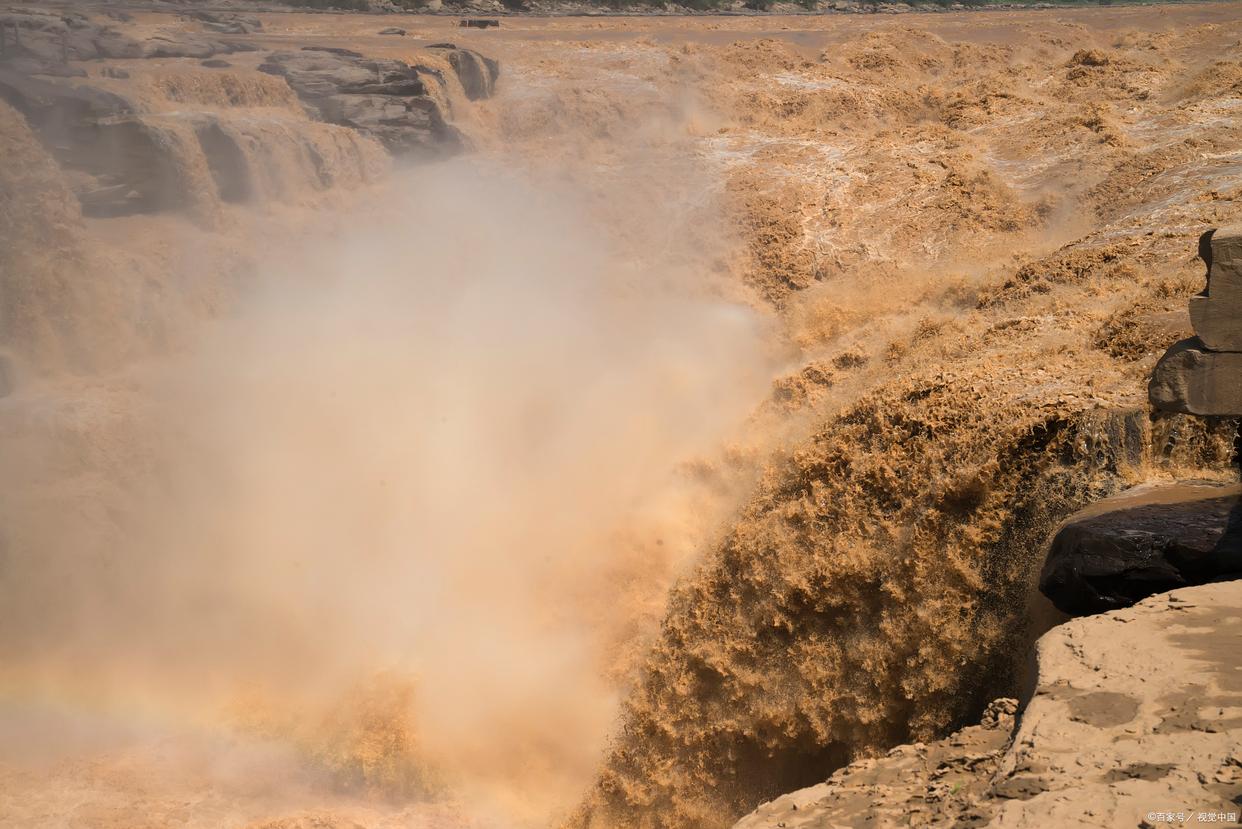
[384, 98]
[1136, 545]
[393, 30]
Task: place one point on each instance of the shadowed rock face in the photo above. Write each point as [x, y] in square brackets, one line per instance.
[477, 74]
[1114, 555]
[384, 98]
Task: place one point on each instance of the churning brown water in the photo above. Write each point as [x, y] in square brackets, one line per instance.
[695, 433]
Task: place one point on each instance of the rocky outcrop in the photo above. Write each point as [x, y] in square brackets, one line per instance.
[123, 157]
[1192, 379]
[1143, 542]
[46, 41]
[1135, 720]
[55, 37]
[122, 161]
[387, 99]
[1203, 375]
[227, 23]
[925, 784]
[1216, 313]
[478, 75]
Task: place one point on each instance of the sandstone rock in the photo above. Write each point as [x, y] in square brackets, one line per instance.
[226, 23]
[190, 46]
[1124, 549]
[123, 165]
[933, 784]
[1134, 712]
[384, 98]
[59, 37]
[1216, 314]
[57, 109]
[1191, 379]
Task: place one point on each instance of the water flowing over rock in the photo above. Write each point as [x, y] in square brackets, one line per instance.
[477, 74]
[387, 99]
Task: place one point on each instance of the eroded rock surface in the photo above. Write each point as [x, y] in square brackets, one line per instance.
[1144, 542]
[1191, 379]
[1217, 312]
[387, 99]
[169, 139]
[1136, 714]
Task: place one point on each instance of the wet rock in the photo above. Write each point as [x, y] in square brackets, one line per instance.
[226, 23]
[190, 46]
[1191, 379]
[1125, 549]
[58, 110]
[61, 37]
[121, 164]
[1216, 314]
[333, 50]
[477, 74]
[385, 98]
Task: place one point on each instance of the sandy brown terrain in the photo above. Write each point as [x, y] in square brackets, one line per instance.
[1133, 722]
[692, 433]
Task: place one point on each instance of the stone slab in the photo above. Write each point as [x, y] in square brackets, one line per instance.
[1143, 542]
[1216, 314]
[1191, 379]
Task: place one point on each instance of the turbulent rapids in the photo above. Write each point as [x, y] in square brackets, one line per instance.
[588, 423]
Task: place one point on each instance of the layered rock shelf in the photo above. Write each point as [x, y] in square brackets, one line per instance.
[223, 131]
[1202, 375]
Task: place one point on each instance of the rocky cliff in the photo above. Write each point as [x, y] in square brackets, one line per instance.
[1135, 719]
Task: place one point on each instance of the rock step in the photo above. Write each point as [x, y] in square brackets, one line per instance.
[1216, 314]
[1142, 542]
